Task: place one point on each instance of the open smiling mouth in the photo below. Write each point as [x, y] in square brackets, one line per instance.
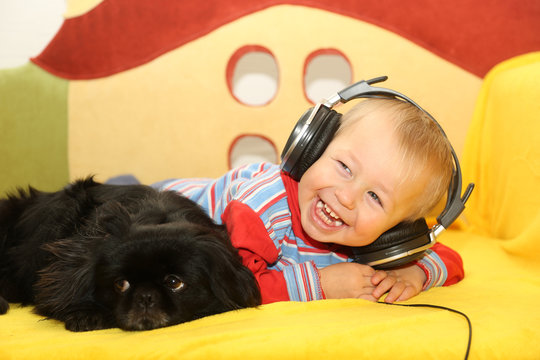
[327, 215]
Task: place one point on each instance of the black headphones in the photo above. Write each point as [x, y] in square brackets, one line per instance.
[406, 241]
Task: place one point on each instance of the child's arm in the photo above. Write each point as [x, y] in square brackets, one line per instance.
[440, 266]
[304, 282]
[298, 282]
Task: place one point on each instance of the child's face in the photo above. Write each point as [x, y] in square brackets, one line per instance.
[354, 191]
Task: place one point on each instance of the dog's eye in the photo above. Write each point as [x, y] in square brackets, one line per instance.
[121, 285]
[173, 282]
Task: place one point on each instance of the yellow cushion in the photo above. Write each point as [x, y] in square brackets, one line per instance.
[499, 294]
[502, 156]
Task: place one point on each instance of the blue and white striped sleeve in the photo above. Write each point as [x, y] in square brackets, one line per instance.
[303, 282]
[434, 268]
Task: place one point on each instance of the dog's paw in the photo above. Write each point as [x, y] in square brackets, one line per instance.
[85, 321]
[4, 306]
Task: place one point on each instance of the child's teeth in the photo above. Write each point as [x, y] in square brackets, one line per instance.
[330, 212]
[328, 215]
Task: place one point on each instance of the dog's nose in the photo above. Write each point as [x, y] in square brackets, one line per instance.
[145, 300]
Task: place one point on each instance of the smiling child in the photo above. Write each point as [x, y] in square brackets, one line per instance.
[387, 163]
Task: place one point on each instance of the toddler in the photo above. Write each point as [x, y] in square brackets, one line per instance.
[387, 163]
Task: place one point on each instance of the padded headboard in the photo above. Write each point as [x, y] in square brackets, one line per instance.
[148, 88]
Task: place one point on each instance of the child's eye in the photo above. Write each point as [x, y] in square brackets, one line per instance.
[345, 167]
[375, 197]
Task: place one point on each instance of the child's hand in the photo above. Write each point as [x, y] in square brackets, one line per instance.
[348, 280]
[401, 284]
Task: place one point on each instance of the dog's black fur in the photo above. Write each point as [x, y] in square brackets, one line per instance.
[97, 256]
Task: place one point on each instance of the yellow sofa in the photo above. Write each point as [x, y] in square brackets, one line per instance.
[499, 242]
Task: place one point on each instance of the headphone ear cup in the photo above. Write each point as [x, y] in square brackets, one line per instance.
[324, 133]
[392, 247]
[310, 145]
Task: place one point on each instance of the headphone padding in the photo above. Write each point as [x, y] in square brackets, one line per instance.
[401, 238]
[399, 234]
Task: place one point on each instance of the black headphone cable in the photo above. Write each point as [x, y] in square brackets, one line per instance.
[442, 308]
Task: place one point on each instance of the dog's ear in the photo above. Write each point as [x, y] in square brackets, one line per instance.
[239, 289]
[113, 219]
[233, 284]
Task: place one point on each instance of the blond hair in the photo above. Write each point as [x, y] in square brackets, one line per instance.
[421, 143]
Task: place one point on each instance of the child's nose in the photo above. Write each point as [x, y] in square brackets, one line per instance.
[346, 195]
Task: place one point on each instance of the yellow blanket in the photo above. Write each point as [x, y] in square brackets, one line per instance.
[500, 247]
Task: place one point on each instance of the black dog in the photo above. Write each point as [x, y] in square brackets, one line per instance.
[97, 256]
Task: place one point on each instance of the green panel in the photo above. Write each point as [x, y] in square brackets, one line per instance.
[33, 129]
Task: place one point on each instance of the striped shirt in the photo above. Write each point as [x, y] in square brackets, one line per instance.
[259, 205]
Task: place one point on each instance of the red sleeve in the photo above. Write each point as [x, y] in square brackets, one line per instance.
[452, 261]
[446, 262]
[257, 250]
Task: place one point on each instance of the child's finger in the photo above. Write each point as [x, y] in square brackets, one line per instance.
[382, 287]
[407, 293]
[397, 290]
[379, 276]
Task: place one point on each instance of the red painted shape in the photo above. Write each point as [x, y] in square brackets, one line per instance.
[121, 34]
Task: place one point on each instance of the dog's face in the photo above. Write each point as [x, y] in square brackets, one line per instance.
[171, 273]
